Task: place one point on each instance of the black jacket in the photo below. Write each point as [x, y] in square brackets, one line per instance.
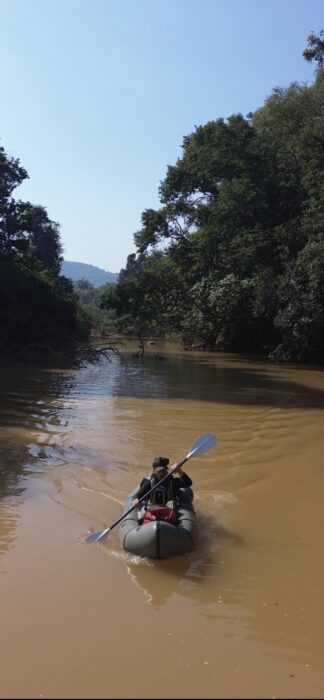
[180, 482]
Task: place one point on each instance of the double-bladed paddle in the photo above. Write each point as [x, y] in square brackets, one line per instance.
[203, 444]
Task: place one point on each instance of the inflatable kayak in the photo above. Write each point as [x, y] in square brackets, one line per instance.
[162, 533]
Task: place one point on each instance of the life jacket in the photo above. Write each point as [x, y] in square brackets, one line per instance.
[160, 513]
[162, 493]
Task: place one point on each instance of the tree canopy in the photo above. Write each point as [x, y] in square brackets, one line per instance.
[38, 308]
[233, 257]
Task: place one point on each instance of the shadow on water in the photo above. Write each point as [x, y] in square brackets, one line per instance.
[32, 396]
[27, 400]
[191, 575]
[214, 380]
[30, 402]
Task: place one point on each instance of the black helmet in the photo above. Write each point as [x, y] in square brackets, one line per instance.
[160, 463]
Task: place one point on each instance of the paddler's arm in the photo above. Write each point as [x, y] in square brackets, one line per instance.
[143, 489]
[185, 479]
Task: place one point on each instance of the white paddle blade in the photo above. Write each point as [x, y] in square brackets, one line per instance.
[203, 444]
[97, 536]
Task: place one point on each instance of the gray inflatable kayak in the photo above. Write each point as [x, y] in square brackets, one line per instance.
[158, 539]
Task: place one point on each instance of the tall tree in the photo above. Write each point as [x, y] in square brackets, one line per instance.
[315, 48]
[37, 307]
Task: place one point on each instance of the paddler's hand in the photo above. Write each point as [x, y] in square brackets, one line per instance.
[176, 469]
[135, 501]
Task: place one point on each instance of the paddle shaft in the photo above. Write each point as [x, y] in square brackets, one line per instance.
[144, 498]
[200, 446]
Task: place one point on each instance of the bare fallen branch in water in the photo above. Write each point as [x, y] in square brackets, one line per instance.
[80, 355]
[89, 354]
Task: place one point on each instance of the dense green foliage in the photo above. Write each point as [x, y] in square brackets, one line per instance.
[39, 310]
[89, 298]
[233, 258]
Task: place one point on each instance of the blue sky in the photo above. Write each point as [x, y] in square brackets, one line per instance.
[97, 96]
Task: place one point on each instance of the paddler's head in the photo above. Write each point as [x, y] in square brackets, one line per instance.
[160, 467]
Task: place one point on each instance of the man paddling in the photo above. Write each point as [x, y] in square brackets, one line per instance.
[165, 494]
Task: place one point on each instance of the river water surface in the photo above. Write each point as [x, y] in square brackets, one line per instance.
[242, 616]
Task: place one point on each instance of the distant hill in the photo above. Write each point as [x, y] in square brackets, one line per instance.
[76, 271]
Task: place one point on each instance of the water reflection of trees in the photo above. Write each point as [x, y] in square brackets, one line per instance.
[221, 379]
[27, 406]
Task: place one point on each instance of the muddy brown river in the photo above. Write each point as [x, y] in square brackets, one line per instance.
[242, 615]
